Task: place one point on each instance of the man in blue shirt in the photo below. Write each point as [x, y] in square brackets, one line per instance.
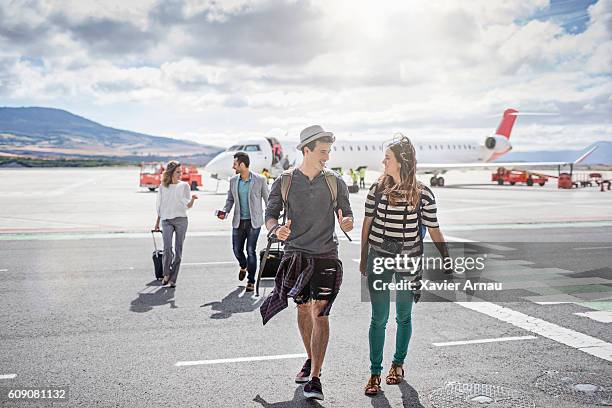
[246, 191]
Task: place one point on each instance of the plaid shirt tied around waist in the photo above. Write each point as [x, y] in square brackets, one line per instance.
[291, 278]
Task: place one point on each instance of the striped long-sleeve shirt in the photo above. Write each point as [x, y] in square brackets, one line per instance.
[399, 222]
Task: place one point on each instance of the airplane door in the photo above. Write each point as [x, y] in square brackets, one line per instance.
[260, 155]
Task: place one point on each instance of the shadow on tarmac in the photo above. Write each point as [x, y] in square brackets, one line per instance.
[145, 302]
[297, 401]
[410, 397]
[237, 301]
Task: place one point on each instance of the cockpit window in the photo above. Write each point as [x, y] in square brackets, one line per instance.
[252, 148]
[235, 148]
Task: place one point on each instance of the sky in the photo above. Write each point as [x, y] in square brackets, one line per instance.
[215, 71]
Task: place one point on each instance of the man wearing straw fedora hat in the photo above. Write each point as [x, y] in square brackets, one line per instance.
[310, 272]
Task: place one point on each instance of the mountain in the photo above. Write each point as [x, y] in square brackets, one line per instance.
[45, 132]
[603, 155]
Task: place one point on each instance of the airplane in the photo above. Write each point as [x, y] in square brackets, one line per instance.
[433, 156]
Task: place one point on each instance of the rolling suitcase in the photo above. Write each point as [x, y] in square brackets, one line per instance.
[158, 255]
[269, 260]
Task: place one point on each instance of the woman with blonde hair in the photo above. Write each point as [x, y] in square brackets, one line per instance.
[397, 209]
[173, 201]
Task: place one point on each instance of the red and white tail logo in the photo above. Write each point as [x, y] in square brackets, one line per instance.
[505, 126]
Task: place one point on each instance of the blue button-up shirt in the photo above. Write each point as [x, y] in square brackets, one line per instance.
[243, 196]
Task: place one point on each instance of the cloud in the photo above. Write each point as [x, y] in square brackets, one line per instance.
[106, 36]
[210, 68]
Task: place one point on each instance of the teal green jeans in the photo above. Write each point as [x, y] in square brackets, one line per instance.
[380, 300]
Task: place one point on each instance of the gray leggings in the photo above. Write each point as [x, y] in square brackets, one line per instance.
[172, 261]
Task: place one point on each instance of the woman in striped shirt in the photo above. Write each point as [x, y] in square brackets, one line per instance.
[396, 209]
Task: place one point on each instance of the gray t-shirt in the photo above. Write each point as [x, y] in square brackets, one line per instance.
[310, 211]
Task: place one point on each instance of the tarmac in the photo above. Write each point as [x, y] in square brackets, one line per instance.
[80, 307]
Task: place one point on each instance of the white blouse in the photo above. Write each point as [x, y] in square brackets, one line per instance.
[172, 200]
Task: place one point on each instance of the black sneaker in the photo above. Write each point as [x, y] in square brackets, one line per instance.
[313, 389]
[304, 374]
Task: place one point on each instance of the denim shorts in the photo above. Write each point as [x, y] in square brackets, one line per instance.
[322, 282]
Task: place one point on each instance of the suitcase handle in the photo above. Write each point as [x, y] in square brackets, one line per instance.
[153, 235]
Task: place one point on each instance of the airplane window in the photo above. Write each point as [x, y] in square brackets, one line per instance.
[358, 148]
[436, 147]
[420, 147]
[342, 148]
[233, 148]
[429, 147]
[351, 148]
[380, 148]
[334, 148]
[366, 147]
[373, 147]
[448, 147]
[252, 148]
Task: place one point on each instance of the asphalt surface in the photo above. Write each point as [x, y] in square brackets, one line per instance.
[80, 307]
[87, 313]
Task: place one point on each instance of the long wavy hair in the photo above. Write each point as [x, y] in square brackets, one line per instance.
[408, 189]
[167, 175]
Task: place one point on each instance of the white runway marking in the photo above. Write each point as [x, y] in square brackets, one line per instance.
[3, 270]
[580, 341]
[458, 343]
[69, 187]
[588, 248]
[62, 235]
[602, 316]
[534, 225]
[488, 207]
[7, 376]
[239, 360]
[563, 335]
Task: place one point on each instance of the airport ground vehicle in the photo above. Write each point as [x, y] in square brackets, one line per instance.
[596, 178]
[565, 181]
[151, 174]
[503, 175]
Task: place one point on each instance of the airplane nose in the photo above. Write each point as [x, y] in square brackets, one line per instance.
[220, 165]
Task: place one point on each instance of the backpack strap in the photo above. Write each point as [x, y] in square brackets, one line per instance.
[332, 182]
[330, 179]
[286, 178]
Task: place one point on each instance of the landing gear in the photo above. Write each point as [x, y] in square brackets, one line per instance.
[436, 181]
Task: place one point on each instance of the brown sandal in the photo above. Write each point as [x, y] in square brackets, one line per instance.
[373, 386]
[393, 378]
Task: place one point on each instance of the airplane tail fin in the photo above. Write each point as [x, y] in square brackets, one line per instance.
[505, 126]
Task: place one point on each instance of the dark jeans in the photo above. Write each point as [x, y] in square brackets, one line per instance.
[243, 233]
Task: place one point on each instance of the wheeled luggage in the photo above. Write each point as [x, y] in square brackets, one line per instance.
[269, 261]
[157, 258]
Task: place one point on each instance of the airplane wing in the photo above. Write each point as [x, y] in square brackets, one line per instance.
[494, 165]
